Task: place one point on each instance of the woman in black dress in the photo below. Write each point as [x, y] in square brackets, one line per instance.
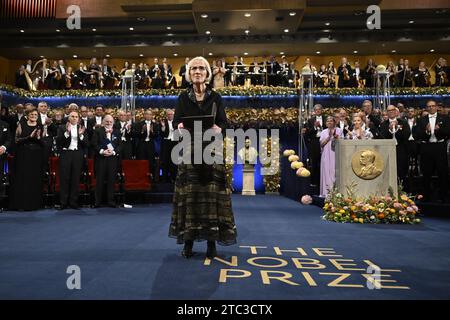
[202, 202]
[28, 166]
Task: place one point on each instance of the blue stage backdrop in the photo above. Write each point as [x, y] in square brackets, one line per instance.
[272, 101]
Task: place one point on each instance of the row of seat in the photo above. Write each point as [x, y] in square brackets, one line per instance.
[133, 176]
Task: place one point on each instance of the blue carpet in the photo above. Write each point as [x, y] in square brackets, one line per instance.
[126, 254]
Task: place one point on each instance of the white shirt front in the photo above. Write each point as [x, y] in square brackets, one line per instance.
[98, 120]
[170, 137]
[63, 70]
[147, 124]
[432, 120]
[319, 130]
[73, 138]
[43, 119]
[411, 124]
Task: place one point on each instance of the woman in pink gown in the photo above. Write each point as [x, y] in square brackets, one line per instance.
[328, 139]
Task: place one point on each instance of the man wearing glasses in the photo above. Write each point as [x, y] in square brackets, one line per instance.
[432, 131]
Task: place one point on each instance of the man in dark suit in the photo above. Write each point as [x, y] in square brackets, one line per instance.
[106, 143]
[273, 69]
[412, 145]
[94, 123]
[344, 72]
[433, 131]
[374, 120]
[5, 144]
[146, 132]
[71, 142]
[167, 144]
[397, 129]
[314, 127]
[50, 129]
[126, 136]
[182, 73]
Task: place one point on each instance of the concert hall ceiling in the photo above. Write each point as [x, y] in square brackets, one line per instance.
[128, 29]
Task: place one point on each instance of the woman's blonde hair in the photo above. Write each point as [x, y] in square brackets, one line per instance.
[187, 76]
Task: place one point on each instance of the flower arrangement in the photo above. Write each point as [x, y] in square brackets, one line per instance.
[374, 209]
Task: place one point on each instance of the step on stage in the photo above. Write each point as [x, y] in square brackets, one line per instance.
[284, 251]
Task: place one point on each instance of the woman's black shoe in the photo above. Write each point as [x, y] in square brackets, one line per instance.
[187, 250]
[211, 251]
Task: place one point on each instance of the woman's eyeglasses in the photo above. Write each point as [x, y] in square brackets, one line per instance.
[200, 68]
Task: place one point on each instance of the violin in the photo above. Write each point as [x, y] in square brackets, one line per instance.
[345, 72]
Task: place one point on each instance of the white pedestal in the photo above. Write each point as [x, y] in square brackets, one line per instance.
[248, 181]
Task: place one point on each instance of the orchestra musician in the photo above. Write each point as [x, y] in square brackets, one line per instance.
[407, 80]
[272, 68]
[284, 72]
[169, 78]
[391, 73]
[68, 79]
[182, 73]
[126, 66]
[140, 76]
[54, 76]
[95, 76]
[294, 75]
[62, 71]
[422, 76]
[322, 77]
[369, 73]
[108, 81]
[441, 73]
[357, 76]
[79, 78]
[332, 72]
[344, 72]
[399, 70]
[256, 73]
[157, 75]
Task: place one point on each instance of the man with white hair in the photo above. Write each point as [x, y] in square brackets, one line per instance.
[397, 129]
[126, 135]
[106, 145]
[71, 141]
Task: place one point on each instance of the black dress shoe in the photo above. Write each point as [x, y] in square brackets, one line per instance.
[96, 206]
[112, 205]
[74, 206]
[187, 250]
[62, 207]
[211, 251]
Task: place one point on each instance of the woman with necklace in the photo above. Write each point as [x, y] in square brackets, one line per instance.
[202, 201]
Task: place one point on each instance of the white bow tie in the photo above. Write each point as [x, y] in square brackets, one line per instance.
[432, 116]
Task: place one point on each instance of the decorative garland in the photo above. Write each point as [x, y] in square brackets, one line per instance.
[273, 178]
[243, 117]
[226, 91]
